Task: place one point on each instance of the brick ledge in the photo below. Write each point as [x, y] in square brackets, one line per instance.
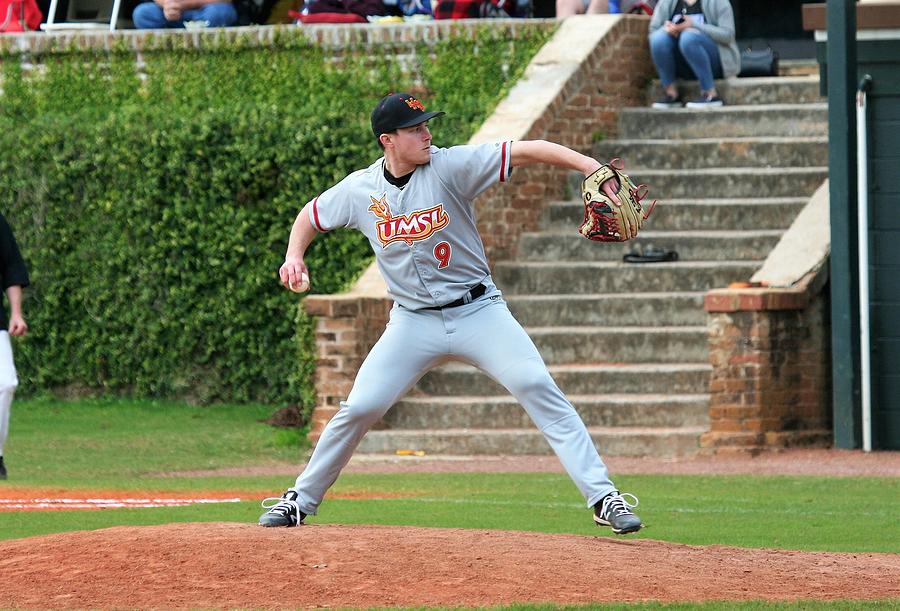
[761, 298]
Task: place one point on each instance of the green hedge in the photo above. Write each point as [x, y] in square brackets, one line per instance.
[154, 218]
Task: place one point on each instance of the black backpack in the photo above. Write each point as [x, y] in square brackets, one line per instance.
[253, 12]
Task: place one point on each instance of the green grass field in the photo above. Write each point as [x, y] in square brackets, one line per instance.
[143, 445]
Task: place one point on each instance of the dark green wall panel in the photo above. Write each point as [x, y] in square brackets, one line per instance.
[888, 393]
[883, 138]
[886, 357]
[881, 60]
[884, 211]
[884, 320]
[886, 429]
[876, 52]
[885, 78]
[884, 284]
[885, 108]
[884, 175]
[885, 249]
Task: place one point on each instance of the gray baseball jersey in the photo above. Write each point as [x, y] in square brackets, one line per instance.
[424, 235]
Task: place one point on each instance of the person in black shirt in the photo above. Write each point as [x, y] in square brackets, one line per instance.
[14, 277]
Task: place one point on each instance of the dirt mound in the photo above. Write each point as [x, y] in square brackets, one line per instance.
[242, 565]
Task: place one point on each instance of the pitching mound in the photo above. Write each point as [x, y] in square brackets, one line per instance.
[242, 565]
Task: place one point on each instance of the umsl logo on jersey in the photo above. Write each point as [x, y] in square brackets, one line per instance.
[409, 228]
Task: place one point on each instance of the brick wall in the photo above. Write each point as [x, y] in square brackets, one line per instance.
[347, 326]
[771, 367]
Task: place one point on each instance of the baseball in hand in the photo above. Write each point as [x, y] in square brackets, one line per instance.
[303, 285]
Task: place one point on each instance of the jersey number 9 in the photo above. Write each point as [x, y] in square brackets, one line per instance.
[442, 253]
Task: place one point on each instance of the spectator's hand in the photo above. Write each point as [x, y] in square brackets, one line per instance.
[17, 325]
[674, 29]
[688, 24]
[172, 10]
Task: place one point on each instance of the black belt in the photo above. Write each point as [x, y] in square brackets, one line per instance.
[469, 297]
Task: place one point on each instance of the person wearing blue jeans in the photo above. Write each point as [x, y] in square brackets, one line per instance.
[693, 39]
[174, 13]
[567, 8]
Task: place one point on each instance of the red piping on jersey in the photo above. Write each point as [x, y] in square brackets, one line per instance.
[503, 162]
[316, 216]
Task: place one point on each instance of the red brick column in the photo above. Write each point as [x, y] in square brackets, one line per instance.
[347, 326]
[771, 378]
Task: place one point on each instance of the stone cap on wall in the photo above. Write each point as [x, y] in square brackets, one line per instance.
[755, 298]
[330, 36]
[804, 247]
[370, 285]
[793, 273]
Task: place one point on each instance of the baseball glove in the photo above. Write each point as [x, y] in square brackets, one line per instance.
[604, 220]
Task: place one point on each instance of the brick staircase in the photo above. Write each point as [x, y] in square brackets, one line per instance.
[628, 342]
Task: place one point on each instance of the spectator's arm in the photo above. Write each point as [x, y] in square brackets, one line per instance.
[723, 30]
[12, 266]
[718, 33]
[661, 14]
[17, 325]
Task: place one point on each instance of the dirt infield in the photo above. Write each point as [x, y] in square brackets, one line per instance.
[224, 565]
[227, 565]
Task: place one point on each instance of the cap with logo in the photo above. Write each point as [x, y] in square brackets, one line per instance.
[398, 110]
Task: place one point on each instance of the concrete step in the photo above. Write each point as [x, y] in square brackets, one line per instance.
[798, 67]
[724, 122]
[697, 214]
[456, 379]
[612, 441]
[716, 182]
[562, 345]
[608, 277]
[628, 309]
[717, 153]
[690, 245]
[478, 412]
[797, 89]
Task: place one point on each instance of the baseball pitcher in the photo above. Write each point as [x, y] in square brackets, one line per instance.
[414, 205]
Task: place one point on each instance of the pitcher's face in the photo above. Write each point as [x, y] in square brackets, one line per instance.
[412, 144]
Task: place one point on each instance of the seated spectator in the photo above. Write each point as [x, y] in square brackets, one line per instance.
[175, 13]
[567, 8]
[693, 39]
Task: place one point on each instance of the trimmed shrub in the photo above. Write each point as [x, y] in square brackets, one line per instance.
[155, 216]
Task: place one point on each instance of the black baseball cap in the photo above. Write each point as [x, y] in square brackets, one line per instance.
[397, 110]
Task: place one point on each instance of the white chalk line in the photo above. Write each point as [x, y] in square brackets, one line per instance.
[48, 503]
